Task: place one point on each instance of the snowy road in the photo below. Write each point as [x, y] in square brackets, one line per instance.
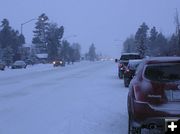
[84, 98]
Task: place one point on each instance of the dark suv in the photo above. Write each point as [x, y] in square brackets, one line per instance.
[57, 63]
[123, 62]
[130, 71]
[154, 94]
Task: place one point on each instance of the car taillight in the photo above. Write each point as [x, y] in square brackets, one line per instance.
[120, 65]
[139, 94]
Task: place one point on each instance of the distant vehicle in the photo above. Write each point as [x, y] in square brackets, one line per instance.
[2, 65]
[19, 64]
[130, 71]
[58, 63]
[123, 62]
[154, 94]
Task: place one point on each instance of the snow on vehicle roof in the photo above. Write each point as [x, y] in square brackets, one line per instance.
[19, 61]
[130, 54]
[162, 59]
[136, 60]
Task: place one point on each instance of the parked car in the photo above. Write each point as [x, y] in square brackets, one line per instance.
[154, 94]
[19, 64]
[58, 63]
[123, 62]
[130, 71]
[2, 65]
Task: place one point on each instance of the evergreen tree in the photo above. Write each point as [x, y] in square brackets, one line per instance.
[10, 38]
[162, 47]
[8, 56]
[141, 39]
[40, 33]
[173, 45]
[54, 35]
[152, 46]
[5, 34]
[65, 51]
[92, 53]
[76, 48]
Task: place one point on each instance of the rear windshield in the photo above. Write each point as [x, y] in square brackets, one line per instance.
[133, 65]
[19, 62]
[163, 72]
[130, 57]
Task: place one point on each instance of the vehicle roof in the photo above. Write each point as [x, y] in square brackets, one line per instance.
[19, 61]
[166, 59]
[136, 60]
[130, 54]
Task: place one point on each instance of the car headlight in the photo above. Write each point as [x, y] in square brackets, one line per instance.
[61, 62]
[54, 62]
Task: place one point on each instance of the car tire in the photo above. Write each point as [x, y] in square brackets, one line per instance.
[126, 83]
[131, 128]
[120, 75]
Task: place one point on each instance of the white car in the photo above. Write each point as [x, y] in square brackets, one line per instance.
[19, 64]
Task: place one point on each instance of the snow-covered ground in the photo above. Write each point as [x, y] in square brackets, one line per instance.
[84, 98]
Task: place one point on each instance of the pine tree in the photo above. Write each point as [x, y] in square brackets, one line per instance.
[5, 34]
[141, 39]
[40, 33]
[173, 51]
[65, 51]
[54, 35]
[92, 53]
[8, 56]
[152, 45]
[76, 48]
[161, 45]
[10, 38]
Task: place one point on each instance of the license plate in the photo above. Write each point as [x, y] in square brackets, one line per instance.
[172, 95]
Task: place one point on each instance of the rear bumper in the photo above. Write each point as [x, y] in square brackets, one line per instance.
[144, 111]
[145, 117]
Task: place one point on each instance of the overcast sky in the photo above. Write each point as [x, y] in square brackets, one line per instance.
[106, 23]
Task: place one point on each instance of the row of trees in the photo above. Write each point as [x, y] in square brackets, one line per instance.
[91, 54]
[150, 42]
[48, 39]
[10, 42]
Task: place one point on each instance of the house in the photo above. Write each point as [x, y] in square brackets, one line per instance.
[42, 58]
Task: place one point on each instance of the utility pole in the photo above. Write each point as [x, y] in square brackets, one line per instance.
[177, 23]
[177, 30]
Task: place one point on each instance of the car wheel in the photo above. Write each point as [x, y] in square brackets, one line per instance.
[120, 75]
[126, 83]
[131, 128]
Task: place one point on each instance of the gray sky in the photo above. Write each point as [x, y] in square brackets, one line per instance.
[106, 23]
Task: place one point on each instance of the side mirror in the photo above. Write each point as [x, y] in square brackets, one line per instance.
[116, 60]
